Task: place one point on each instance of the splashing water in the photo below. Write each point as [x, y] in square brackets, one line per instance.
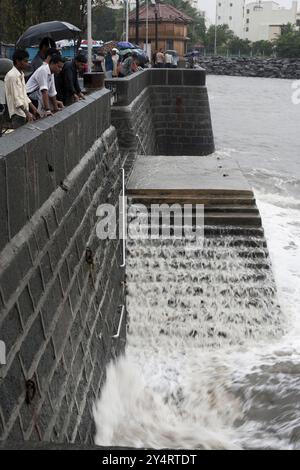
[228, 387]
[185, 299]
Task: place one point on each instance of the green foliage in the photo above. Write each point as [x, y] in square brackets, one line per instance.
[262, 48]
[239, 46]
[18, 15]
[224, 36]
[288, 44]
[107, 23]
[197, 30]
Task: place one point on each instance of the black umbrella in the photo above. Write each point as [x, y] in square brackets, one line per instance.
[56, 30]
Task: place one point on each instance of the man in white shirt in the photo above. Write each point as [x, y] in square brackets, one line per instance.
[115, 60]
[20, 107]
[168, 60]
[160, 59]
[41, 86]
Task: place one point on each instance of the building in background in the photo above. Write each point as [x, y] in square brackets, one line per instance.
[264, 20]
[231, 12]
[171, 26]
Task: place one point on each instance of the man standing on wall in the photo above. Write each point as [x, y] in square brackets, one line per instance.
[20, 107]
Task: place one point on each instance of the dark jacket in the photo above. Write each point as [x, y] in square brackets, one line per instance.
[37, 62]
[67, 82]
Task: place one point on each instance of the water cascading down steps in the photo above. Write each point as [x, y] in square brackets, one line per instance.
[186, 299]
[206, 291]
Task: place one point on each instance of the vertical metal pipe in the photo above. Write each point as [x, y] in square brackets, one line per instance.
[216, 29]
[127, 21]
[137, 21]
[147, 25]
[156, 29]
[124, 218]
[89, 34]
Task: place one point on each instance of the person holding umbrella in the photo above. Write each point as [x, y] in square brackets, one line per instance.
[40, 57]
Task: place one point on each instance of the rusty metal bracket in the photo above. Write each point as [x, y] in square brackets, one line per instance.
[30, 391]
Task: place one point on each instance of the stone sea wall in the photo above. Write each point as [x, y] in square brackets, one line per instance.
[252, 67]
[61, 288]
[163, 112]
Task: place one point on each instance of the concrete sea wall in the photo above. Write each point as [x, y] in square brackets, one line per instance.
[62, 289]
[60, 304]
[163, 112]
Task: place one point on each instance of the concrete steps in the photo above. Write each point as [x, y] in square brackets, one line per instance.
[226, 211]
[233, 218]
[206, 200]
[217, 183]
[232, 208]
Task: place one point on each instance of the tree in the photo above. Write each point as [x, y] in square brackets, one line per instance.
[288, 45]
[107, 23]
[197, 30]
[18, 15]
[262, 48]
[224, 36]
[237, 45]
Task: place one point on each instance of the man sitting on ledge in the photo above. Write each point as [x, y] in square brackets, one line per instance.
[41, 86]
[20, 107]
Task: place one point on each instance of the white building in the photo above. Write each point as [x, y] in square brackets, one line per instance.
[263, 20]
[231, 12]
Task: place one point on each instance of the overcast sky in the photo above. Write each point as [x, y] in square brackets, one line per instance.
[210, 6]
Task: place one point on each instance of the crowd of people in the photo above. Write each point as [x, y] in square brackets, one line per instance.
[49, 83]
[167, 59]
[45, 86]
[115, 66]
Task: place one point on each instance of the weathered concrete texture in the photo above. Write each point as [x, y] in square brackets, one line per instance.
[182, 120]
[215, 182]
[58, 308]
[252, 67]
[37, 158]
[135, 125]
[187, 175]
[162, 111]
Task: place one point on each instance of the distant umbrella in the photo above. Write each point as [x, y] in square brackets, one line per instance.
[124, 52]
[56, 30]
[108, 47]
[125, 45]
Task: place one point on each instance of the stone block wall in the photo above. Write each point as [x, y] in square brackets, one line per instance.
[170, 116]
[182, 120]
[61, 288]
[60, 303]
[136, 128]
